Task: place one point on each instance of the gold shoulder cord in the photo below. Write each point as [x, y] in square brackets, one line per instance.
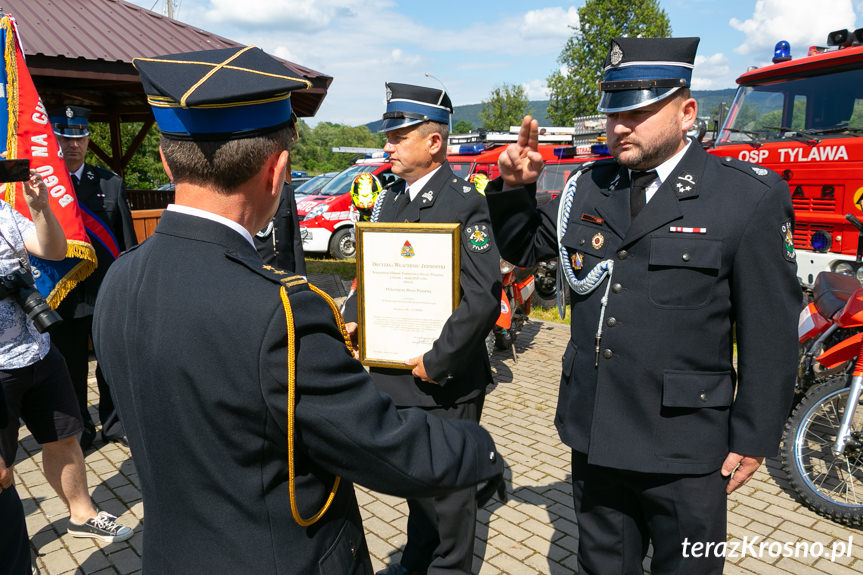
[292, 371]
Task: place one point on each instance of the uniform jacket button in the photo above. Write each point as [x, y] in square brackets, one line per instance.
[617, 288]
[492, 457]
[703, 396]
[581, 242]
[622, 254]
[685, 256]
[607, 353]
[611, 322]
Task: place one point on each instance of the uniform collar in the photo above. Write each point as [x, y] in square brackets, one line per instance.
[190, 211]
[416, 187]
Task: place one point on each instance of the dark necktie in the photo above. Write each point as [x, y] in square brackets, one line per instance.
[75, 180]
[403, 202]
[637, 196]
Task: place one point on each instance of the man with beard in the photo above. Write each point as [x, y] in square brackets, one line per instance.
[669, 252]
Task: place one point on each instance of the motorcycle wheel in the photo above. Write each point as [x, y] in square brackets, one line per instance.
[829, 485]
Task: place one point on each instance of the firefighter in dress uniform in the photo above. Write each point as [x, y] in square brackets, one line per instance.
[668, 252]
[450, 379]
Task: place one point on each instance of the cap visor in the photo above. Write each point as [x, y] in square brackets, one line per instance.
[396, 123]
[626, 100]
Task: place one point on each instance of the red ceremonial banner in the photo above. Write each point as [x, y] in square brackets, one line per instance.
[29, 135]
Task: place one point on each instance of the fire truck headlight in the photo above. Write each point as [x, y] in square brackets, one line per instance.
[844, 268]
[821, 241]
[859, 274]
[506, 267]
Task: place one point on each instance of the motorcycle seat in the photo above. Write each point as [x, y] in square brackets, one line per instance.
[831, 291]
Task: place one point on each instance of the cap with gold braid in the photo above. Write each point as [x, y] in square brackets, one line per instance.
[222, 94]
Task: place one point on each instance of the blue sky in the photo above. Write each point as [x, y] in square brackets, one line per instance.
[473, 46]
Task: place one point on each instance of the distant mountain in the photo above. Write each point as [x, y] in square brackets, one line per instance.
[707, 100]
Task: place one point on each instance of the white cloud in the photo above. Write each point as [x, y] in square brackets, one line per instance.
[536, 90]
[712, 72]
[800, 22]
[299, 15]
[549, 22]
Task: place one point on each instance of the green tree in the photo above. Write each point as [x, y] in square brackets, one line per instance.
[462, 127]
[505, 107]
[144, 170]
[574, 88]
[312, 151]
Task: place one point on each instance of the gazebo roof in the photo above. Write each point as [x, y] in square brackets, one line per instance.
[80, 51]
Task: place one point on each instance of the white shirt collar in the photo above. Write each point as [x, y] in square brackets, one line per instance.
[414, 188]
[664, 170]
[79, 172]
[190, 211]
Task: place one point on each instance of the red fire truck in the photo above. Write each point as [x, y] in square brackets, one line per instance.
[803, 118]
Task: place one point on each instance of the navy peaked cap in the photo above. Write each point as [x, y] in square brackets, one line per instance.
[640, 71]
[70, 121]
[220, 94]
[408, 105]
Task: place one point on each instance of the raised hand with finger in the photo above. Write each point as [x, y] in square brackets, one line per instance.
[521, 162]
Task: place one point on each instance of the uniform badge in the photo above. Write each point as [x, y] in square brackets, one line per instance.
[428, 196]
[408, 250]
[788, 240]
[477, 237]
[91, 176]
[69, 113]
[597, 241]
[616, 55]
[577, 261]
[685, 183]
[592, 219]
[760, 171]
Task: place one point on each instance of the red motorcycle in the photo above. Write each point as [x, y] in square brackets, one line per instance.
[822, 446]
[518, 287]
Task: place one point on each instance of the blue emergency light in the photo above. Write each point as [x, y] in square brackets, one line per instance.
[471, 149]
[782, 52]
[599, 150]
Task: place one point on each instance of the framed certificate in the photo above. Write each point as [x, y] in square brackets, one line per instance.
[407, 287]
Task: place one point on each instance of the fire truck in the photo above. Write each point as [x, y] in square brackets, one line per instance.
[803, 118]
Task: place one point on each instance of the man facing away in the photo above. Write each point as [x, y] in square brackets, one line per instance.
[686, 249]
[247, 415]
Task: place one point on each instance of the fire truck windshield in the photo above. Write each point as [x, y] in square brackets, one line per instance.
[796, 109]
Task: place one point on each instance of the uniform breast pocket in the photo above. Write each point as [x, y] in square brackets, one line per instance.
[683, 271]
[587, 246]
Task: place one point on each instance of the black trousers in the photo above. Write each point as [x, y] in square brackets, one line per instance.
[72, 339]
[441, 530]
[620, 512]
[14, 543]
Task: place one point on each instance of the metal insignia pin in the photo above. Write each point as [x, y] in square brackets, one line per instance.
[577, 261]
[597, 241]
[760, 171]
[427, 196]
[616, 55]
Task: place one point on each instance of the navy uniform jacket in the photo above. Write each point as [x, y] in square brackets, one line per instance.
[662, 398]
[458, 360]
[103, 194]
[191, 333]
[280, 244]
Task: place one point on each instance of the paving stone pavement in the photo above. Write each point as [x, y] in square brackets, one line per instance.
[535, 532]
